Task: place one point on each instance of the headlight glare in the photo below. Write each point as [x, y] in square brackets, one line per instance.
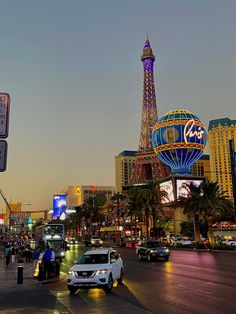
[102, 271]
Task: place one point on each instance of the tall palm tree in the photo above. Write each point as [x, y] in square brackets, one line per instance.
[117, 198]
[207, 201]
[150, 195]
[134, 207]
[92, 210]
[191, 207]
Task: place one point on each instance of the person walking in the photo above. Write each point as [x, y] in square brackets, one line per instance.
[47, 263]
[8, 254]
[13, 254]
[1, 250]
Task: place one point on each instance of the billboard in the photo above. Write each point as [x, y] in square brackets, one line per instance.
[167, 187]
[59, 206]
[179, 139]
[1, 219]
[182, 189]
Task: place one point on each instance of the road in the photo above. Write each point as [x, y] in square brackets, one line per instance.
[190, 282]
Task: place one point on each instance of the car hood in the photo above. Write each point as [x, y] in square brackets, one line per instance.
[83, 267]
[157, 248]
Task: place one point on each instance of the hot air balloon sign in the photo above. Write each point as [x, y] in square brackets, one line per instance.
[179, 139]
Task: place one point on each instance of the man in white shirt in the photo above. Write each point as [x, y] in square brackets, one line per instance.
[52, 255]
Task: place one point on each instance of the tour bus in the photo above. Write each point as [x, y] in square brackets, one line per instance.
[52, 236]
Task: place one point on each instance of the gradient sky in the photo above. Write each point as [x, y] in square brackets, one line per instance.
[73, 71]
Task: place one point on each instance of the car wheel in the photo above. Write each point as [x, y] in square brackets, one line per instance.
[72, 289]
[139, 256]
[166, 258]
[109, 285]
[149, 258]
[120, 280]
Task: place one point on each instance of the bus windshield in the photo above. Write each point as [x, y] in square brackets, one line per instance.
[53, 229]
[56, 245]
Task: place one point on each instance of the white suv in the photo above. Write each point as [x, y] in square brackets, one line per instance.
[97, 268]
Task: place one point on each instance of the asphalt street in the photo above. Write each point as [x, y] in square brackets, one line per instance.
[190, 282]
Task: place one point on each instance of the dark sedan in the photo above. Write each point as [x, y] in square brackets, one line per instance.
[151, 250]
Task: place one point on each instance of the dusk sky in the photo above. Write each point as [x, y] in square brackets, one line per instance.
[73, 71]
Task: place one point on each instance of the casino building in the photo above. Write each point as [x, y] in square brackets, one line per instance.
[220, 132]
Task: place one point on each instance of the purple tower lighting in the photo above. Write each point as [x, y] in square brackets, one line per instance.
[147, 165]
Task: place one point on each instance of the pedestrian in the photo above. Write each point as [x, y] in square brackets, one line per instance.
[8, 254]
[13, 254]
[52, 266]
[28, 253]
[1, 250]
[47, 263]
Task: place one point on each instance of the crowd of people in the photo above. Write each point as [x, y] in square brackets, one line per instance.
[13, 249]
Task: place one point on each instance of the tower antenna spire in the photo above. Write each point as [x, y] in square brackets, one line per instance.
[147, 166]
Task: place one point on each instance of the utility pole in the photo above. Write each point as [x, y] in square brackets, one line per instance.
[9, 207]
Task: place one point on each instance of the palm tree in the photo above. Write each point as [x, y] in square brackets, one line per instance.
[117, 197]
[92, 210]
[191, 207]
[150, 195]
[206, 201]
[134, 207]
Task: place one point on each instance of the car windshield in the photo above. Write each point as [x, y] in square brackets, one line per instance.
[153, 244]
[93, 259]
[95, 237]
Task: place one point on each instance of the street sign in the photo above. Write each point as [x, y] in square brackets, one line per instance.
[4, 114]
[3, 155]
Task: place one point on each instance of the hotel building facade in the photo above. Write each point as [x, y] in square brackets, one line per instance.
[220, 132]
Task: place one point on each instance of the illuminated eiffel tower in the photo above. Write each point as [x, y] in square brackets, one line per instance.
[147, 165]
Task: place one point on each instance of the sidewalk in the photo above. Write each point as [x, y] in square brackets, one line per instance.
[8, 275]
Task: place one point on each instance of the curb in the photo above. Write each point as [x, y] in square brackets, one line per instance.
[202, 250]
[45, 282]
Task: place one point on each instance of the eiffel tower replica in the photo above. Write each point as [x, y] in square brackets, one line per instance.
[147, 166]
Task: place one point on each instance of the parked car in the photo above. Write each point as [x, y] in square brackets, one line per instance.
[229, 242]
[97, 268]
[186, 241]
[151, 250]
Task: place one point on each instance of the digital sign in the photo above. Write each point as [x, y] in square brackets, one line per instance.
[59, 206]
[167, 187]
[179, 139]
[182, 186]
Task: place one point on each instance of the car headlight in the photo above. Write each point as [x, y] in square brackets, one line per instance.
[70, 272]
[153, 251]
[102, 271]
[62, 253]
[92, 241]
[101, 241]
[167, 250]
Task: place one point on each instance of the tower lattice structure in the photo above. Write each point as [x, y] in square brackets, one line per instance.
[147, 165]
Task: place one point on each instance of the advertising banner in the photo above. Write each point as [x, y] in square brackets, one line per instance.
[59, 206]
